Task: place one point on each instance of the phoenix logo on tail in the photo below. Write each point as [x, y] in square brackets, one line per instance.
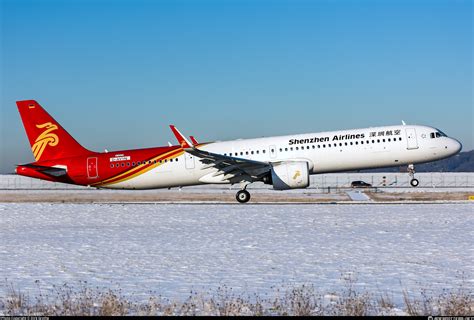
[44, 139]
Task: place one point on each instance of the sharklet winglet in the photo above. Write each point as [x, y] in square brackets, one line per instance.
[180, 137]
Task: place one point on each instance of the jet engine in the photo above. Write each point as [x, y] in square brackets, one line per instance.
[289, 175]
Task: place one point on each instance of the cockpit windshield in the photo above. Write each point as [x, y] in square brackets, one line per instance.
[437, 134]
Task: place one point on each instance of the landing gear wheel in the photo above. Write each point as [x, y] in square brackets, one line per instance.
[242, 196]
[414, 182]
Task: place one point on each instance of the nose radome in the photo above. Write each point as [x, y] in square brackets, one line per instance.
[456, 146]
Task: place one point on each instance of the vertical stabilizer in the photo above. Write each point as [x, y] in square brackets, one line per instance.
[47, 138]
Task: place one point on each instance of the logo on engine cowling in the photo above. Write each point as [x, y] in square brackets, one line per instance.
[46, 138]
[297, 174]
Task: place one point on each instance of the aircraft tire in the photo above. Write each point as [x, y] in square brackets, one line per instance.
[414, 182]
[242, 196]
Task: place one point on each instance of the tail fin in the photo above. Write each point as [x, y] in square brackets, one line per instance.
[47, 138]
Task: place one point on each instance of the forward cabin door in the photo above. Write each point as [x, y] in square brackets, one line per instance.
[92, 167]
[189, 160]
[412, 142]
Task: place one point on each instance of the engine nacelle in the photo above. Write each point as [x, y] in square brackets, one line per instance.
[290, 175]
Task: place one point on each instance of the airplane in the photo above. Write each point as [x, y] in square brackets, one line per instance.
[285, 162]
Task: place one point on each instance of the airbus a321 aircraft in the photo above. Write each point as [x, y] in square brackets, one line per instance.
[285, 162]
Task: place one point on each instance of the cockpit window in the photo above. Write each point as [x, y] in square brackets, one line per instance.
[437, 134]
[441, 133]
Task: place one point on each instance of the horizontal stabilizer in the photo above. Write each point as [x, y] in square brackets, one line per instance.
[50, 171]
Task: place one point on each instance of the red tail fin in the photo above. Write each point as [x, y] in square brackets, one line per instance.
[48, 139]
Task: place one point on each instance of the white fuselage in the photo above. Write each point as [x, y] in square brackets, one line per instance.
[325, 152]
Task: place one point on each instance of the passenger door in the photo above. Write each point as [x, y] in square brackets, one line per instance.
[412, 142]
[92, 167]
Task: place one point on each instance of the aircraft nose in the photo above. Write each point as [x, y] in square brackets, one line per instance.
[455, 146]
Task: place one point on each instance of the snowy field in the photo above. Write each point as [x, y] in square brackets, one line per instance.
[171, 249]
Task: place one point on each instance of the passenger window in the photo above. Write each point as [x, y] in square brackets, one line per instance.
[351, 143]
[166, 160]
[259, 151]
[357, 142]
[241, 153]
[340, 144]
[251, 152]
[176, 160]
[383, 140]
[128, 164]
[319, 146]
[281, 150]
[314, 146]
[230, 154]
[149, 161]
[373, 141]
[291, 148]
[263, 151]
[362, 142]
[133, 164]
[432, 135]
[117, 165]
[112, 165]
[389, 140]
[286, 149]
[307, 147]
[400, 139]
[345, 143]
[296, 148]
[324, 146]
[378, 140]
[161, 161]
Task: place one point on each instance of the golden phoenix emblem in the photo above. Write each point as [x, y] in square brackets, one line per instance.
[44, 139]
[297, 174]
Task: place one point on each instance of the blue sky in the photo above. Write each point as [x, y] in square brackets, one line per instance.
[116, 73]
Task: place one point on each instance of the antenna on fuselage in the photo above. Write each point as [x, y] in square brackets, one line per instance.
[403, 123]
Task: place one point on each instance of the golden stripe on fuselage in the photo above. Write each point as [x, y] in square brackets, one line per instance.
[139, 170]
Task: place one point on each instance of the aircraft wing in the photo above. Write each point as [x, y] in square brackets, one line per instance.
[231, 168]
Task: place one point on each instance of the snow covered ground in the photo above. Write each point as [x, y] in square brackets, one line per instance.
[171, 249]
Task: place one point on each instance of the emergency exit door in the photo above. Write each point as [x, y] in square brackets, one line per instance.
[189, 160]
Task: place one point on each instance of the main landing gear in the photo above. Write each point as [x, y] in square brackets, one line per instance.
[411, 172]
[243, 195]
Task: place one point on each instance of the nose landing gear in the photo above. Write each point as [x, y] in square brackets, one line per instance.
[411, 172]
